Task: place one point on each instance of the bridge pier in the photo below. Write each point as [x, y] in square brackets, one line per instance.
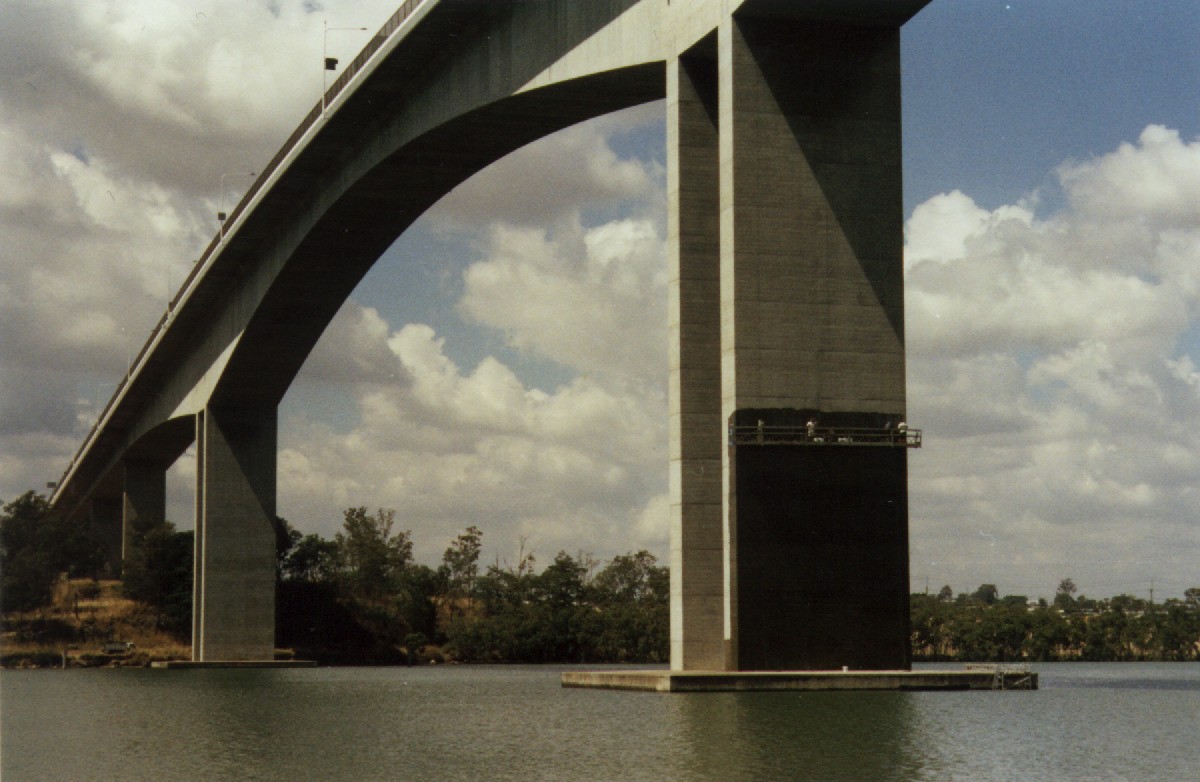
[812, 308]
[144, 502]
[104, 515]
[784, 202]
[696, 444]
[233, 615]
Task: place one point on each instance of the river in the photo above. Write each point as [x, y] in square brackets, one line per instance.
[1115, 721]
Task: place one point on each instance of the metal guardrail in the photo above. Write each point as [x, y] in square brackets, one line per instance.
[824, 435]
[377, 41]
[1005, 676]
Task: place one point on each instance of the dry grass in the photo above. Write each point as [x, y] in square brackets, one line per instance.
[83, 616]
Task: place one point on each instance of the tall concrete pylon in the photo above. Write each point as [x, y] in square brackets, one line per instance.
[233, 594]
[789, 550]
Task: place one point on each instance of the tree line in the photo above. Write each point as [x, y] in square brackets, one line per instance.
[983, 626]
[360, 597]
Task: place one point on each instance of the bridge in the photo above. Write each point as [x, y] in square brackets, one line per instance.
[786, 303]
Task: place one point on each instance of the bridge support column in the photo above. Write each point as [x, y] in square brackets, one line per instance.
[104, 514]
[812, 298]
[696, 442]
[145, 501]
[234, 592]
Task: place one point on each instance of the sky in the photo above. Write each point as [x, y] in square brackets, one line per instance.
[505, 362]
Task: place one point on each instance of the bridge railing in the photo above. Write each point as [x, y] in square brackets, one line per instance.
[824, 435]
[377, 41]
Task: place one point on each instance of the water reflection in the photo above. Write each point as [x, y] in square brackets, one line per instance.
[827, 736]
[463, 723]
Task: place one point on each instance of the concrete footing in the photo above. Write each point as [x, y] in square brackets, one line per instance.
[177, 665]
[766, 681]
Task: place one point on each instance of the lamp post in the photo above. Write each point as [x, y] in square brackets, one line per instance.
[221, 197]
[330, 63]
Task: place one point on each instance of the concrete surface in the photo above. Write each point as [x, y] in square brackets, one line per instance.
[768, 681]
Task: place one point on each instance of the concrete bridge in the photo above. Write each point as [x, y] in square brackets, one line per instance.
[789, 548]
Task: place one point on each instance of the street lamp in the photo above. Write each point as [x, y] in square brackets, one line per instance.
[330, 63]
[221, 197]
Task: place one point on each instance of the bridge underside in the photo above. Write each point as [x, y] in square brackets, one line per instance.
[786, 309]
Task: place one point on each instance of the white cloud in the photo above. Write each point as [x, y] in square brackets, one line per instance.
[117, 119]
[450, 448]
[572, 170]
[542, 292]
[1048, 369]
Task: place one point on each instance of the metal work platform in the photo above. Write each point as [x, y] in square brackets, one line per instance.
[898, 437]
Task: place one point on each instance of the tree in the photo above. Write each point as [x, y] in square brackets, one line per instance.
[312, 559]
[1191, 597]
[1064, 596]
[987, 594]
[945, 594]
[372, 556]
[286, 538]
[158, 573]
[36, 544]
[633, 595]
[461, 563]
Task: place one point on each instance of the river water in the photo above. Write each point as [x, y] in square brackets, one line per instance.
[1118, 721]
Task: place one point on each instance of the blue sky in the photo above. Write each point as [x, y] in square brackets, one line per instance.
[998, 93]
[1052, 176]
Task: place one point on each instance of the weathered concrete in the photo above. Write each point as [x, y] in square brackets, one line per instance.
[785, 231]
[104, 514]
[144, 503]
[193, 665]
[768, 681]
[694, 320]
[812, 319]
[234, 590]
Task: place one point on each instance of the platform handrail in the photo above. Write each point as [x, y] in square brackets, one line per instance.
[760, 434]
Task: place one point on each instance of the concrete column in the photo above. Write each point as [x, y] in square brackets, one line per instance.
[104, 514]
[696, 441]
[234, 597]
[812, 326]
[145, 500]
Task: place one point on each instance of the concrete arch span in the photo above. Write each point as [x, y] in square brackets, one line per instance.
[352, 234]
[786, 299]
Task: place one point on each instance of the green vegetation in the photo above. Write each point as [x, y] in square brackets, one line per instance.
[983, 626]
[361, 599]
[35, 546]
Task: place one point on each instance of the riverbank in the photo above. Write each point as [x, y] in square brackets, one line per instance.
[89, 624]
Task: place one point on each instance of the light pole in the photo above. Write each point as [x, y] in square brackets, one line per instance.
[330, 63]
[221, 198]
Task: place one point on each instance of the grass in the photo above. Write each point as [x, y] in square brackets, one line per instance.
[83, 616]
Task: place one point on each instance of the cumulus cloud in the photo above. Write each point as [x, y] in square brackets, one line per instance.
[1049, 366]
[448, 447]
[558, 313]
[573, 170]
[117, 120]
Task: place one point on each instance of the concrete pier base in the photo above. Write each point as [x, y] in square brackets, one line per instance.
[767, 681]
[179, 665]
